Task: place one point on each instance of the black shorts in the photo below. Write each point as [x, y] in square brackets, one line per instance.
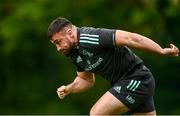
[136, 89]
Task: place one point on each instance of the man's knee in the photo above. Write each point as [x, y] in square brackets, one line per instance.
[95, 110]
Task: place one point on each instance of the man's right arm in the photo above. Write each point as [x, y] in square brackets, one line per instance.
[135, 40]
[83, 81]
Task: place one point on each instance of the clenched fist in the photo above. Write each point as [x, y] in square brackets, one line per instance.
[62, 91]
[172, 51]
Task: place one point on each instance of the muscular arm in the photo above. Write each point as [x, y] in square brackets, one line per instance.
[135, 40]
[82, 82]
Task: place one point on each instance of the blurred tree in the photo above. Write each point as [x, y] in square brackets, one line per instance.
[31, 70]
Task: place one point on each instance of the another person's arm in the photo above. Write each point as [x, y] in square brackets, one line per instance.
[135, 40]
[83, 82]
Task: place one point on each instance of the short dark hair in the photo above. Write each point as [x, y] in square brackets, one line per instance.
[56, 25]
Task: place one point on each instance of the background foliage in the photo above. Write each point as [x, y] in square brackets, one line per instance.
[31, 69]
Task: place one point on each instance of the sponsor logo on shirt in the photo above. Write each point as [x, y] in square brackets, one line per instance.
[86, 53]
[92, 66]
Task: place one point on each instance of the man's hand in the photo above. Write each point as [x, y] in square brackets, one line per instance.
[82, 82]
[62, 91]
[172, 51]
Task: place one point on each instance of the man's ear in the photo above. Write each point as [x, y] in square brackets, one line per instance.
[69, 32]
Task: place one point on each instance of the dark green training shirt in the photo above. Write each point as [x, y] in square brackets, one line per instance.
[97, 53]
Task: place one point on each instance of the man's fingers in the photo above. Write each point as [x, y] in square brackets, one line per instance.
[61, 94]
[174, 49]
[177, 50]
[171, 45]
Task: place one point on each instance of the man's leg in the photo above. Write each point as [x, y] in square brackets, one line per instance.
[108, 104]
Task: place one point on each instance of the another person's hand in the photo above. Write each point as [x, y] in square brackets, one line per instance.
[62, 91]
[172, 51]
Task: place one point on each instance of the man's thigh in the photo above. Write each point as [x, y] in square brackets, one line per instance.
[108, 104]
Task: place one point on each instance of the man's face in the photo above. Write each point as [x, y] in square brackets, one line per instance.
[63, 42]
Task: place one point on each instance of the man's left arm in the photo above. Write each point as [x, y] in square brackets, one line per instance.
[134, 40]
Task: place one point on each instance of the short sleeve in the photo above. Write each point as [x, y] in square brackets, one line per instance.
[107, 37]
[97, 37]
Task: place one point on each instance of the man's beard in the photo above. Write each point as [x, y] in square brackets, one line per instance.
[68, 54]
[70, 50]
